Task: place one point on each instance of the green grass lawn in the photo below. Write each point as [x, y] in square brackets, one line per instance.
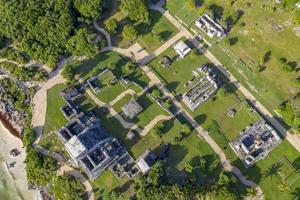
[150, 110]
[109, 182]
[179, 9]
[111, 60]
[110, 93]
[147, 34]
[180, 72]
[254, 40]
[115, 63]
[54, 119]
[171, 128]
[159, 26]
[118, 106]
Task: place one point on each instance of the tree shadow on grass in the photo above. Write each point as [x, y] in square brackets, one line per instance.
[124, 187]
[172, 85]
[84, 67]
[253, 173]
[201, 118]
[296, 163]
[165, 34]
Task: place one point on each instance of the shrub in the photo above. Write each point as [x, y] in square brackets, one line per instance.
[111, 25]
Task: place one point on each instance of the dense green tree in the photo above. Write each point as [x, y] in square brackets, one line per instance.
[41, 28]
[28, 138]
[168, 103]
[67, 187]
[81, 44]
[187, 129]
[68, 73]
[156, 93]
[39, 169]
[111, 25]
[136, 10]
[90, 9]
[129, 33]
[155, 174]
[130, 66]
[157, 130]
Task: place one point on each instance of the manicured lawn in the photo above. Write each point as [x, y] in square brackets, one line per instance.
[254, 40]
[159, 26]
[171, 128]
[270, 184]
[111, 92]
[54, 119]
[118, 106]
[115, 63]
[182, 153]
[147, 34]
[180, 72]
[179, 9]
[112, 60]
[216, 109]
[150, 110]
[109, 182]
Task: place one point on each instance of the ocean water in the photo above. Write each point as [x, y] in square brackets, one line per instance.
[8, 189]
[13, 183]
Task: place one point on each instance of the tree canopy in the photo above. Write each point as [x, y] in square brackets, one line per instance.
[46, 29]
[136, 10]
[67, 187]
[90, 9]
[39, 169]
[81, 44]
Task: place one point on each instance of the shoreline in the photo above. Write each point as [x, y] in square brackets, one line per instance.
[13, 180]
[7, 124]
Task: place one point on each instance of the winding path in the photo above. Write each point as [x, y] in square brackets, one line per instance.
[294, 139]
[201, 132]
[39, 103]
[104, 32]
[152, 124]
[114, 113]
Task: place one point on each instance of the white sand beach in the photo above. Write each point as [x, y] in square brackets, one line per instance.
[13, 183]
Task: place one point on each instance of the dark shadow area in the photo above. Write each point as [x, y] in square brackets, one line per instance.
[253, 173]
[217, 11]
[201, 118]
[172, 86]
[165, 35]
[144, 29]
[124, 187]
[233, 41]
[267, 56]
[293, 64]
[296, 163]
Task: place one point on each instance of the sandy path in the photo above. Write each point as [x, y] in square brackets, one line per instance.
[152, 124]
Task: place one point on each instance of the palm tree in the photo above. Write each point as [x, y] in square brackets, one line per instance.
[284, 186]
[273, 170]
[295, 194]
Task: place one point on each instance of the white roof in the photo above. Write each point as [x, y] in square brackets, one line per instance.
[75, 147]
[144, 167]
[181, 46]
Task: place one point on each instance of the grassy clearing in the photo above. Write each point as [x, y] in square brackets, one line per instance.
[115, 63]
[150, 110]
[54, 119]
[179, 9]
[153, 36]
[255, 39]
[179, 72]
[150, 36]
